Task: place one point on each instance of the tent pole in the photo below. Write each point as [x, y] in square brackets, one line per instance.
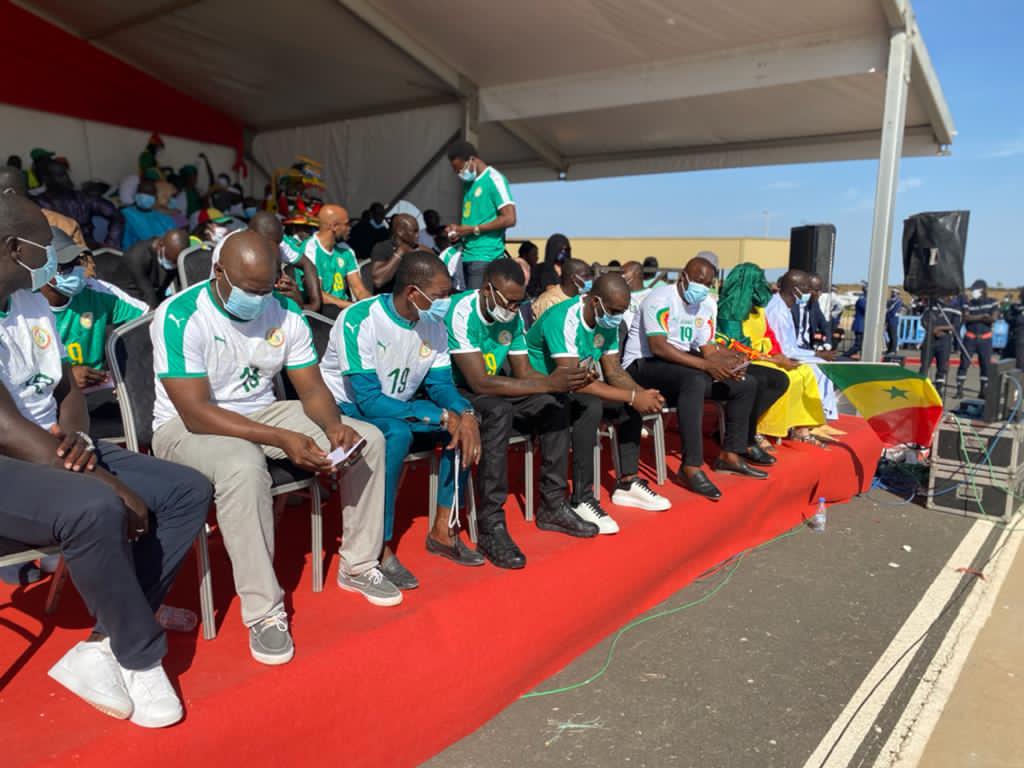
[896, 82]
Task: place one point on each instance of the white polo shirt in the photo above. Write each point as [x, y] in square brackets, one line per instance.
[688, 327]
[30, 357]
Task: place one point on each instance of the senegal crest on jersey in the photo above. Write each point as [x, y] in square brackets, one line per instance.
[505, 338]
[425, 350]
[599, 340]
[41, 337]
[275, 337]
[85, 320]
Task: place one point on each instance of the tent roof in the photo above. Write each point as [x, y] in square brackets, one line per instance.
[582, 87]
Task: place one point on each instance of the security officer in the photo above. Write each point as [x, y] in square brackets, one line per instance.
[945, 321]
[980, 313]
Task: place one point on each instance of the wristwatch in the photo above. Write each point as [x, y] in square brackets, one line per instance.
[444, 418]
[476, 230]
[470, 412]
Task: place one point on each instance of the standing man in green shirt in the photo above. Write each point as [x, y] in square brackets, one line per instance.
[487, 211]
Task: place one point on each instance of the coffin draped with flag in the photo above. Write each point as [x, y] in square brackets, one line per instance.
[900, 405]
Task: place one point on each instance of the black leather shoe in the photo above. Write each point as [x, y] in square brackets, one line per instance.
[563, 520]
[457, 553]
[700, 485]
[497, 546]
[755, 454]
[740, 468]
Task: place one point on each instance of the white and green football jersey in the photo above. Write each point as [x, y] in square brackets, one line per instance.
[562, 332]
[30, 357]
[371, 337]
[469, 331]
[194, 337]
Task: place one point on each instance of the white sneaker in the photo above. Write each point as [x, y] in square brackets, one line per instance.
[639, 494]
[89, 670]
[156, 703]
[591, 512]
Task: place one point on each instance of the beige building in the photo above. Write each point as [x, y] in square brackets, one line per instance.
[674, 252]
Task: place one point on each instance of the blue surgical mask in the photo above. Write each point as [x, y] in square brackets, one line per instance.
[467, 174]
[71, 283]
[168, 265]
[251, 211]
[438, 309]
[242, 304]
[585, 286]
[144, 202]
[695, 293]
[44, 274]
[803, 298]
[606, 319]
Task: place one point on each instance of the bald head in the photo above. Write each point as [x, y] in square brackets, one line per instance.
[172, 243]
[334, 219]
[633, 274]
[700, 270]
[403, 225]
[12, 180]
[267, 224]
[795, 278]
[250, 261]
[610, 295]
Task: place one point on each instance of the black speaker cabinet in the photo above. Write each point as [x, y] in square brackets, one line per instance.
[812, 248]
[934, 246]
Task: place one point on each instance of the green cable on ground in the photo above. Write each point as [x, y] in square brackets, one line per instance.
[659, 615]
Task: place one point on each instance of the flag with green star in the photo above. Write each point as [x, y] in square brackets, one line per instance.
[900, 405]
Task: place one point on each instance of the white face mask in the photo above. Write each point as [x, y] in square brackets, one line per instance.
[976, 293]
[499, 313]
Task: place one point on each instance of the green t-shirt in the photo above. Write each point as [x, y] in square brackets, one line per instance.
[561, 332]
[334, 267]
[481, 201]
[83, 322]
[468, 331]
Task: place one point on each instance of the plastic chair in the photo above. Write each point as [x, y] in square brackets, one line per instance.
[130, 357]
[194, 265]
[16, 553]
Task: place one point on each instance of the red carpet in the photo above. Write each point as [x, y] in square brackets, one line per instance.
[393, 686]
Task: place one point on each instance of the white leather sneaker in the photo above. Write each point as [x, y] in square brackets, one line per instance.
[89, 670]
[590, 511]
[637, 493]
[156, 703]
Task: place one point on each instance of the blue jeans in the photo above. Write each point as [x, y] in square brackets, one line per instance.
[401, 437]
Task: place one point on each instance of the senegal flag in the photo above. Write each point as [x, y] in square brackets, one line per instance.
[900, 405]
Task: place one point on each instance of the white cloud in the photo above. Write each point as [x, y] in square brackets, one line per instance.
[1008, 149]
[782, 186]
[911, 182]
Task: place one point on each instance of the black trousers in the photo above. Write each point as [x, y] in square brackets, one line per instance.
[687, 388]
[893, 327]
[500, 417]
[858, 343]
[941, 349]
[587, 411]
[121, 583]
[473, 273]
[975, 345]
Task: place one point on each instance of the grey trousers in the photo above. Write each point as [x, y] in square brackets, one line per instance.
[245, 510]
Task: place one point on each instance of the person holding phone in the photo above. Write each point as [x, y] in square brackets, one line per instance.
[671, 347]
[585, 333]
[217, 348]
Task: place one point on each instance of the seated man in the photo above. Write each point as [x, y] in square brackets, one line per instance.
[576, 278]
[141, 221]
[152, 266]
[85, 309]
[795, 288]
[585, 333]
[381, 354]
[485, 329]
[336, 265]
[217, 347]
[62, 197]
[123, 521]
[294, 264]
[387, 254]
[671, 347]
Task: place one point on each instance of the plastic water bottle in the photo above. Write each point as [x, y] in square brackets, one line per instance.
[817, 522]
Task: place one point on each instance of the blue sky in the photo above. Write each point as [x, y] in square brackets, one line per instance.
[977, 52]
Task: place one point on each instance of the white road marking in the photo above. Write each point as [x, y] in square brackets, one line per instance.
[933, 601]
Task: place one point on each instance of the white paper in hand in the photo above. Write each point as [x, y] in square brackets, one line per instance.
[339, 454]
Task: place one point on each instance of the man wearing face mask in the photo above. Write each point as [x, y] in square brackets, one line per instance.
[151, 267]
[484, 331]
[794, 288]
[585, 334]
[62, 197]
[340, 282]
[141, 221]
[371, 230]
[217, 348]
[294, 265]
[487, 211]
[980, 313]
[387, 254]
[124, 522]
[381, 354]
[671, 347]
[577, 277]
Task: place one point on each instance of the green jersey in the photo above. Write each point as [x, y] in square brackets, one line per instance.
[562, 332]
[469, 331]
[481, 202]
[84, 321]
[334, 267]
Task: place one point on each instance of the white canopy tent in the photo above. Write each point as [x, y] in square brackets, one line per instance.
[570, 90]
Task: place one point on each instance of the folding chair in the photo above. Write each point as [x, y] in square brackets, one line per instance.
[527, 442]
[194, 265]
[16, 553]
[130, 357]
